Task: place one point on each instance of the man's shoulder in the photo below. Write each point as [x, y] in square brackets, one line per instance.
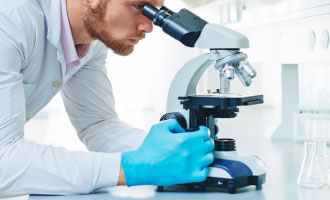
[23, 12]
[8, 7]
[24, 15]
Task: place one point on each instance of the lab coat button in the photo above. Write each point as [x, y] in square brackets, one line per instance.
[57, 84]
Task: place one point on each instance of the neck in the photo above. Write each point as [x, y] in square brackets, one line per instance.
[76, 9]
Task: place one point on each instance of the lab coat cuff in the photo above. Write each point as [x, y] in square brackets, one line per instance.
[108, 173]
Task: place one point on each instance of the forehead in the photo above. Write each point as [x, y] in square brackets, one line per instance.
[156, 3]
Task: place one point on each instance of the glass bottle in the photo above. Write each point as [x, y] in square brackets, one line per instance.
[314, 171]
[309, 175]
[320, 159]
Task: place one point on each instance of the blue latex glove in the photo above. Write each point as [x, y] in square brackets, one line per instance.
[169, 156]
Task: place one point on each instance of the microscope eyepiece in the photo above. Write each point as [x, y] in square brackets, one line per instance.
[169, 11]
[149, 11]
[184, 26]
[158, 17]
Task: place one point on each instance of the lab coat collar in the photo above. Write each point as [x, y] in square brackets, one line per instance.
[54, 32]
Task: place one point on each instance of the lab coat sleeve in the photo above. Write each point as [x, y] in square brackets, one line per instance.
[25, 166]
[90, 104]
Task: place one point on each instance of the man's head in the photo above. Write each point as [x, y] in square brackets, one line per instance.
[119, 24]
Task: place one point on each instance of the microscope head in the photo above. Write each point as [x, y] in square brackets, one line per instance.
[193, 31]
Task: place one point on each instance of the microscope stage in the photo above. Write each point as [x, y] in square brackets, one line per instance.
[223, 101]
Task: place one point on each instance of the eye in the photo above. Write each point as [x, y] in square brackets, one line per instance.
[138, 6]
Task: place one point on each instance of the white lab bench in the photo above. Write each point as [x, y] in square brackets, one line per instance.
[283, 160]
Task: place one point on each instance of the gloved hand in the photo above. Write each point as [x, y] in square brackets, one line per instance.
[169, 156]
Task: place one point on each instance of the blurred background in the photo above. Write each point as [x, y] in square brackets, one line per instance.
[288, 48]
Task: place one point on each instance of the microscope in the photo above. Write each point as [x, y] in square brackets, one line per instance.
[230, 170]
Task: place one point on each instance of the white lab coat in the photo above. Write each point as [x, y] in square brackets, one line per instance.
[32, 68]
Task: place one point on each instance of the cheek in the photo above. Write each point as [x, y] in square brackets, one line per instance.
[121, 27]
[122, 19]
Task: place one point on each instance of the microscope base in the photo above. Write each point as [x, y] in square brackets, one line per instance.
[223, 183]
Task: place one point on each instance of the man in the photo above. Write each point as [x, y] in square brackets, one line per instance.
[47, 46]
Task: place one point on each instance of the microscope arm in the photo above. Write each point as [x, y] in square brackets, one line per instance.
[186, 80]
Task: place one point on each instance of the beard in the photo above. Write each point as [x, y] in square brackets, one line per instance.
[95, 26]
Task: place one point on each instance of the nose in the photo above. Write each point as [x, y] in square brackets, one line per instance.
[145, 25]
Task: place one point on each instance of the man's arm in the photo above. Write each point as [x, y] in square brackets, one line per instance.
[27, 167]
[89, 102]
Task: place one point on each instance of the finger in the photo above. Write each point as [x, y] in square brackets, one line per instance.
[201, 175]
[206, 132]
[208, 146]
[207, 160]
[173, 126]
[203, 133]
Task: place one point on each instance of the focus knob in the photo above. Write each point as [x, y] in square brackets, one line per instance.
[175, 115]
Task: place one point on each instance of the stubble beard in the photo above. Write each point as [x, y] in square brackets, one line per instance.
[94, 24]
